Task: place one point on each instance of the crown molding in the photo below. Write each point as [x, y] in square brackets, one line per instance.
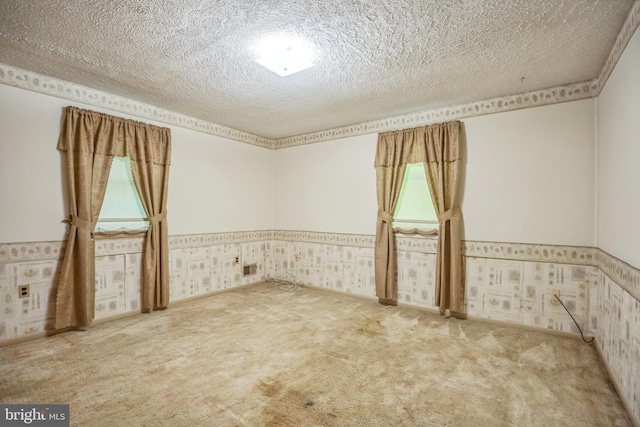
[536, 98]
[628, 29]
[35, 82]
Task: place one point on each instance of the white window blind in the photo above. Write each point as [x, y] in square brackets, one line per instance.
[415, 208]
[122, 209]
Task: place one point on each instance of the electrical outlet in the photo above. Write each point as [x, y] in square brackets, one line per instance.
[23, 291]
[237, 260]
[552, 297]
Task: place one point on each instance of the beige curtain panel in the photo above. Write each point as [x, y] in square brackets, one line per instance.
[152, 181]
[439, 148]
[90, 140]
[388, 185]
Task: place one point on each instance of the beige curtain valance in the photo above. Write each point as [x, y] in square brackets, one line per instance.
[98, 133]
[422, 144]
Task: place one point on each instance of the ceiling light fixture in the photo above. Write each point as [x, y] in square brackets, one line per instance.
[284, 55]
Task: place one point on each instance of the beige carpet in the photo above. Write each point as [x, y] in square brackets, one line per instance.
[265, 357]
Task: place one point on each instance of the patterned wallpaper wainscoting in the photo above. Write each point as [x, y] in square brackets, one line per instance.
[508, 282]
[523, 292]
[516, 282]
[198, 265]
[35, 265]
[201, 270]
[118, 276]
[615, 319]
[511, 282]
[342, 268]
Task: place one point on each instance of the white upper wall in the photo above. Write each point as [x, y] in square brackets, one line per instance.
[529, 178]
[619, 158]
[31, 198]
[215, 184]
[530, 175]
[218, 185]
[328, 187]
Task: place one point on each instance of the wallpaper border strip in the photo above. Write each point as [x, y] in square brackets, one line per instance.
[35, 82]
[625, 275]
[41, 251]
[629, 27]
[24, 79]
[554, 95]
[477, 249]
[537, 98]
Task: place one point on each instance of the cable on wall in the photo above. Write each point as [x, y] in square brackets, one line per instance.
[574, 320]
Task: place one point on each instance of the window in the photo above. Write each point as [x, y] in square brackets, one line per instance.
[415, 209]
[121, 209]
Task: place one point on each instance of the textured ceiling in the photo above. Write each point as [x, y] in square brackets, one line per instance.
[374, 59]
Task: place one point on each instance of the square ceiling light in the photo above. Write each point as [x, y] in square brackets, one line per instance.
[284, 55]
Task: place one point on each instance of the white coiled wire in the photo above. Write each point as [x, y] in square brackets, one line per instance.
[283, 285]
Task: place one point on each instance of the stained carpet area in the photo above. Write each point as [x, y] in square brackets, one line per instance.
[260, 356]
